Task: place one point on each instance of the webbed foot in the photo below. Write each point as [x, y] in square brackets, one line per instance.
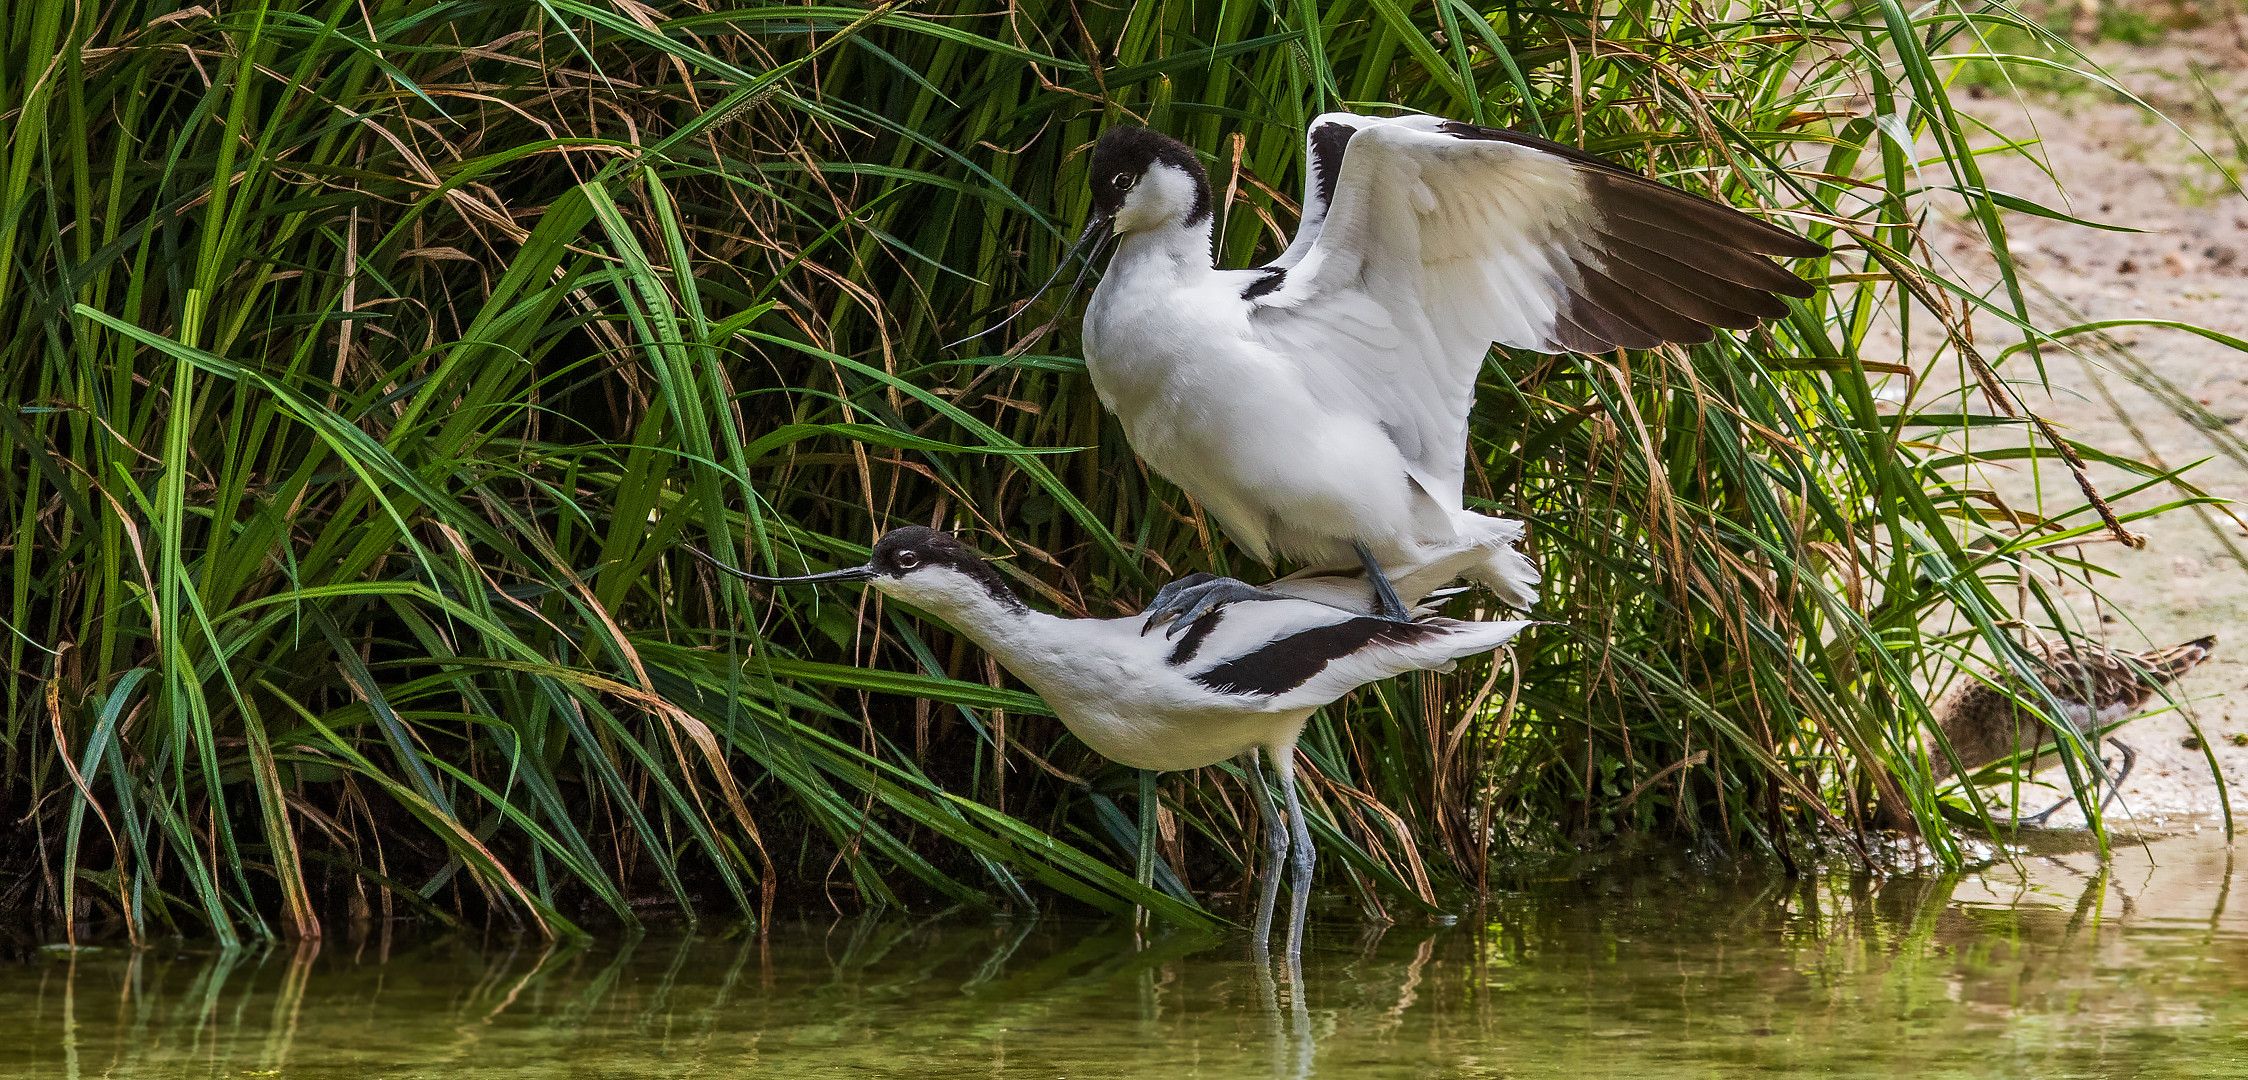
[1184, 602]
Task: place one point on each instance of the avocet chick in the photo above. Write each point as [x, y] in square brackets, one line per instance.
[2097, 688]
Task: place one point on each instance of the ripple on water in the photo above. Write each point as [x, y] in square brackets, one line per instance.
[2055, 966]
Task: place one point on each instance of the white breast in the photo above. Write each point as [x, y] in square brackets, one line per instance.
[1233, 422]
[1152, 317]
[1116, 690]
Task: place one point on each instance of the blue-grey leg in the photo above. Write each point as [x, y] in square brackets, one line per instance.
[1301, 857]
[2130, 761]
[1144, 872]
[2037, 820]
[1184, 602]
[1268, 996]
[1386, 603]
[2115, 785]
[1166, 598]
[1276, 851]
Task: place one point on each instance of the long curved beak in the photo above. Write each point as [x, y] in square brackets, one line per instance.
[850, 573]
[1096, 233]
[1099, 225]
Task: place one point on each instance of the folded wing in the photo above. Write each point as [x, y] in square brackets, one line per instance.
[1319, 664]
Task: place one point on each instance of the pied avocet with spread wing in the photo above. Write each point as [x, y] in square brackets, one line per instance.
[1317, 405]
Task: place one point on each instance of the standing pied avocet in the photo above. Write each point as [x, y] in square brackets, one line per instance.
[1317, 405]
[1240, 680]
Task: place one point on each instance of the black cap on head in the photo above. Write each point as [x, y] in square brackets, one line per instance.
[913, 548]
[1124, 155]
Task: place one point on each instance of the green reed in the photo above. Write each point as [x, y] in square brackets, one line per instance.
[369, 364]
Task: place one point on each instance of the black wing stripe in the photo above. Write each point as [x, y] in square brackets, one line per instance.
[1195, 636]
[1270, 282]
[1282, 665]
[1328, 141]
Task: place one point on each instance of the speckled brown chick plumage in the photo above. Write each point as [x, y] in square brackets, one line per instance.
[2096, 686]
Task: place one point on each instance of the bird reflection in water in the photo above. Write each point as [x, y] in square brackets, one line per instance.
[1598, 967]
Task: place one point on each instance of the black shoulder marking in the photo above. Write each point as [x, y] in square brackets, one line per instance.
[1283, 665]
[1195, 636]
[1270, 283]
[1328, 142]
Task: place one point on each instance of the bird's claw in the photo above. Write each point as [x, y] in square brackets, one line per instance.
[1166, 603]
[1206, 600]
[1184, 602]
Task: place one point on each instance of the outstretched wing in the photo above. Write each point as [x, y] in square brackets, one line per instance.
[1324, 144]
[1428, 240]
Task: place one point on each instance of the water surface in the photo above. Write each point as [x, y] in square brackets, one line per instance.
[2054, 967]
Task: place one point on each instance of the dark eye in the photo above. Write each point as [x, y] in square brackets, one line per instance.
[1124, 181]
[907, 560]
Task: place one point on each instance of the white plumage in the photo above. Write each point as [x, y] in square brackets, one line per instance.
[1317, 406]
[1235, 682]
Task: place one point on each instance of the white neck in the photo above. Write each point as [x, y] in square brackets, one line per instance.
[1019, 638]
[1174, 247]
[1011, 631]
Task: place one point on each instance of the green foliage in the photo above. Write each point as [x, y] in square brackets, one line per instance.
[2129, 26]
[368, 366]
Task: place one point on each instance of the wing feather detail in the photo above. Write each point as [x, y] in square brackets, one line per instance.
[1425, 241]
[1441, 643]
[1324, 144]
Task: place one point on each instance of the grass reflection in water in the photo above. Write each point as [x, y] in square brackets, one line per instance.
[1646, 969]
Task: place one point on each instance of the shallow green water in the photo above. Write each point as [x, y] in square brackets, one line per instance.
[2052, 969]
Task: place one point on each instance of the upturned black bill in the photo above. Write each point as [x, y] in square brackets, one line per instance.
[850, 573]
[1096, 233]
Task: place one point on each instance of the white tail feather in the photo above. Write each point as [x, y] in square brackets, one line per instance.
[1486, 555]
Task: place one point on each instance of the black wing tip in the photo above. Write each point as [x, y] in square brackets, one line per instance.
[1782, 244]
[1695, 214]
[1801, 247]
